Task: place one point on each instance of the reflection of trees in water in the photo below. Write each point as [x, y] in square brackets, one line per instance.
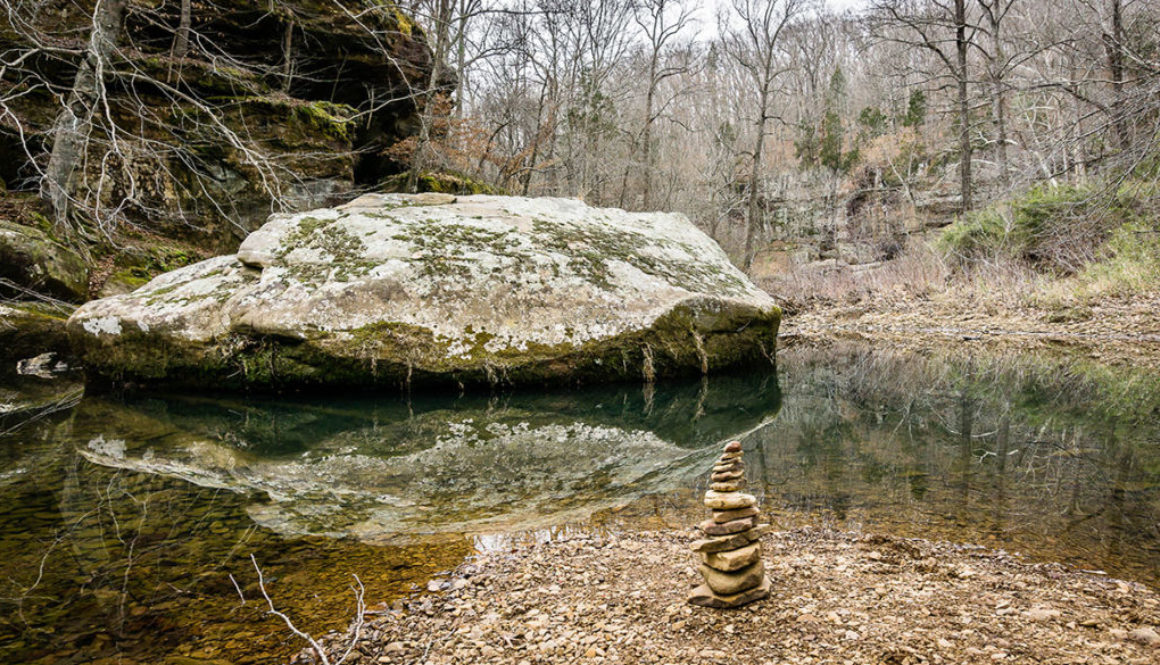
[1056, 456]
[98, 552]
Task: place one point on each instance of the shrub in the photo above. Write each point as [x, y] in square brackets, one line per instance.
[1131, 265]
[1059, 229]
[979, 236]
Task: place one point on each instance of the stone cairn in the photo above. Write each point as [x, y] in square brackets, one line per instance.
[731, 551]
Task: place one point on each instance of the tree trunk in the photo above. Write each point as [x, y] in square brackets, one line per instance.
[998, 93]
[75, 122]
[440, 51]
[181, 41]
[461, 69]
[287, 55]
[646, 135]
[754, 216]
[999, 108]
[966, 156]
[531, 163]
[1114, 45]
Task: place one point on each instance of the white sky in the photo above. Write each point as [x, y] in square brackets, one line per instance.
[706, 13]
[845, 4]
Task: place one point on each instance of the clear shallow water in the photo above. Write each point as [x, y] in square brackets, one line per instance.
[128, 523]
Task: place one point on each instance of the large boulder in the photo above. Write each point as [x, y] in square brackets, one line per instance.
[397, 289]
[30, 259]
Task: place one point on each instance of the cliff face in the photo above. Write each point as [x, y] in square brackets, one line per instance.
[207, 125]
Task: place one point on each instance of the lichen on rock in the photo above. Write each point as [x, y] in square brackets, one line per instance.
[396, 289]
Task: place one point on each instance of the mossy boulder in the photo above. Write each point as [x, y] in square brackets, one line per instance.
[398, 290]
[135, 264]
[32, 260]
[28, 330]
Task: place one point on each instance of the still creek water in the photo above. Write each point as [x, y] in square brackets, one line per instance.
[128, 524]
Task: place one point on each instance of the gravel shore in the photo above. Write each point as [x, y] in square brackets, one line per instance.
[837, 598]
[1117, 331]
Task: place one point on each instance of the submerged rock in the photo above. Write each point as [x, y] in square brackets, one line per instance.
[396, 289]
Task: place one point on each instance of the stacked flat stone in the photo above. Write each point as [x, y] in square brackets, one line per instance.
[731, 551]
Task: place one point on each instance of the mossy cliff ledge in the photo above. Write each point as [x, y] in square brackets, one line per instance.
[402, 290]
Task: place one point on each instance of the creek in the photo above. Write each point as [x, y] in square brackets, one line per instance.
[129, 521]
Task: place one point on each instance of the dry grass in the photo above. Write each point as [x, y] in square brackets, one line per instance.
[1114, 299]
[918, 272]
[1003, 284]
[1130, 270]
[999, 285]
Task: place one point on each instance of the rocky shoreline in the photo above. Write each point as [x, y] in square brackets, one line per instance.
[836, 597]
[1117, 331]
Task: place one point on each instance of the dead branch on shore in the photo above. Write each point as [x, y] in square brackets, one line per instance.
[355, 631]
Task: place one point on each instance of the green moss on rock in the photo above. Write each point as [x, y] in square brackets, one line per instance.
[30, 329]
[692, 339]
[439, 183]
[141, 260]
[32, 259]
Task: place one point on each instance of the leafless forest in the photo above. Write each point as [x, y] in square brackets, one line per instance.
[791, 133]
[781, 121]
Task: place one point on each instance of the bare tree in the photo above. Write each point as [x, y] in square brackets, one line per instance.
[661, 22]
[752, 37]
[999, 65]
[1114, 45]
[447, 22]
[945, 32]
[636, 117]
[75, 123]
[161, 112]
